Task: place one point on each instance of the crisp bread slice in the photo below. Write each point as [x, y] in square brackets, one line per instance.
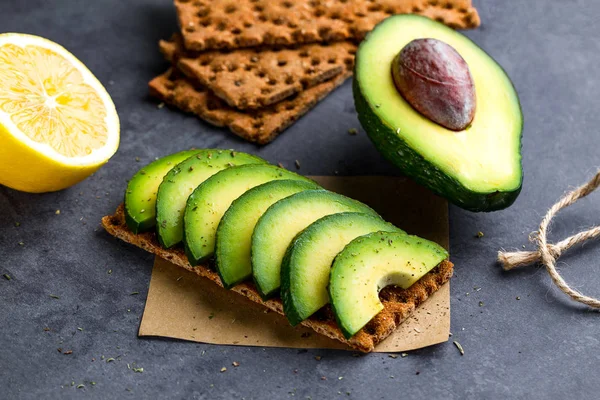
[398, 303]
[220, 24]
[255, 78]
[260, 126]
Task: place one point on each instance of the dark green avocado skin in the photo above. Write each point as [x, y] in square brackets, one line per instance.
[414, 166]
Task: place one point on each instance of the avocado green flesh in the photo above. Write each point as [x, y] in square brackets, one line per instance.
[370, 263]
[209, 201]
[284, 220]
[307, 263]
[234, 234]
[140, 197]
[478, 168]
[180, 182]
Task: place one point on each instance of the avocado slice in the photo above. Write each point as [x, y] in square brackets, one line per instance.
[140, 196]
[209, 201]
[307, 262]
[368, 264]
[179, 183]
[478, 168]
[234, 234]
[280, 224]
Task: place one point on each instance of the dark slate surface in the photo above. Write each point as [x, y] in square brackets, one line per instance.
[541, 346]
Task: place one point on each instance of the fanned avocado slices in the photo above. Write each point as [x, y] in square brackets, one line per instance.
[234, 234]
[209, 201]
[477, 168]
[368, 264]
[280, 224]
[180, 182]
[307, 262]
[140, 197]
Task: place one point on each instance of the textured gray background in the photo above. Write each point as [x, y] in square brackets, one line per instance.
[542, 346]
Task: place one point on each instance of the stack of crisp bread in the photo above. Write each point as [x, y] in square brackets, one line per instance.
[256, 66]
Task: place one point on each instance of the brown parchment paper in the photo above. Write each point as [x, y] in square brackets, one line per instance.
[182, 305]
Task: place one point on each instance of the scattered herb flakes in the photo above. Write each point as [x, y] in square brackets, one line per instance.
[7, 277]
[68, 352]
[57, 212]
[160, 105]
[46, 329]
[392, 355]
[59, 349]
[318, 358]
[110, 271]
[481, 304]
[102, 357]
[93, 383]
[137, 159]
[223, 369]
[54, 296]
[518, 297]
[134, 293]
[459, 347]
[110, 359]
[403, 355]
[479, 235]
[297, 163]
[17, 224]
[21, 244]
[323, 378]
[138, 370]
[352, 131]
[235, 364]
[477, 289]
[340, 378]
[80, 386]
[211, 316]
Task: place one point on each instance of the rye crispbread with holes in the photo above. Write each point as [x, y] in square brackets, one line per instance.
[398, 303]
[256, 78]
[221, 24]
[259, 126]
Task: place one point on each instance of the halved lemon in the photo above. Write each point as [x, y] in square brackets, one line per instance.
[57, 122]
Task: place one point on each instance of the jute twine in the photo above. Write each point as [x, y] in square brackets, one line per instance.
[548, 253]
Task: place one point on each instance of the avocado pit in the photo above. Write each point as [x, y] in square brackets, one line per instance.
[436, 81]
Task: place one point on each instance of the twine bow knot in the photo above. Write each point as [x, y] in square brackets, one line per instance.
[548, 253]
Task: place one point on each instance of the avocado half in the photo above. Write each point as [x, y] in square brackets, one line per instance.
[479, 168]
